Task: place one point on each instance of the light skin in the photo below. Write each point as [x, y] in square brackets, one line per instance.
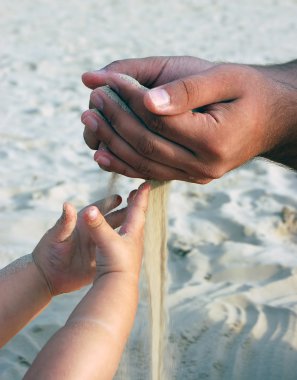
[80, 249]
[63, 261]
[198, 121]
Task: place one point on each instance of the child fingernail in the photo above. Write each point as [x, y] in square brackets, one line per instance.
[159, 97]
[132, 195]
[91, 122]
[92, 213]
[63, 216]
[145, 186]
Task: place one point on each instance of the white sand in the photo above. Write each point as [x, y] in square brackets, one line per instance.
[232, 243]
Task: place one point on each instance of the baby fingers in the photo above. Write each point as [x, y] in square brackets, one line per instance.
[65, 225]
[100, 231]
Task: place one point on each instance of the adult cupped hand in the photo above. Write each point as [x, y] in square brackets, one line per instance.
[194, 128]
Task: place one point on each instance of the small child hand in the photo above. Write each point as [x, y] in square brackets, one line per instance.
[120, 252]
[66, 253]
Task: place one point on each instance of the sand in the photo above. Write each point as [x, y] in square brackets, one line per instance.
[155, 266]
[232, 244]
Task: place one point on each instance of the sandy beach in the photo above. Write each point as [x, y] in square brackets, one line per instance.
[232, 271]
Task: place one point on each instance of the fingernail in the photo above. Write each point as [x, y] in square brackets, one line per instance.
[132, 195]
[102, 148]
[90, 122]
[97, 100]
[63, 216]
[159, 97]
[92, 213]
[84, 114]
[145, 185]
[103, 161]
[99, 71]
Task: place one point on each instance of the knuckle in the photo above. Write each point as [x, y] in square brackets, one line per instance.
[207, 173]
[112, 118]
[143, 167]
[215, 172]
[190, 89]
[114, 65]
[219, 153]
[145, 146]
[125, 172]
[157, 124]
[108, 139]
[129, 101]
[218, 149]
[202, 181]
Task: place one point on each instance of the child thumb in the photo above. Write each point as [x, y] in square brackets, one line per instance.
[100, 231]
[65, 225]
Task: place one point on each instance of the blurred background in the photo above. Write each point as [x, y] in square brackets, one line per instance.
[225, 239]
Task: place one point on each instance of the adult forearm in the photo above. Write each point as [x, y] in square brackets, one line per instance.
[284, 72]
[23, 295]
[97, 328]
[285, 151]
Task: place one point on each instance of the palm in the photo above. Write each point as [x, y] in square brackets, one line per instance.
[71, 264]
[67, 254]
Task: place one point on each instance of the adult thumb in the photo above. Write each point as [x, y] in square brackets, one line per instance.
[211, 86]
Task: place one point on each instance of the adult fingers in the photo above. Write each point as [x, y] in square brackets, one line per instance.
[89, 119]
[145, 131]
[112, 142]
[214, 85]
[134, 224]
[111, 163]
[119, 156]
[132, 130]
[199, 175]
[144, 70]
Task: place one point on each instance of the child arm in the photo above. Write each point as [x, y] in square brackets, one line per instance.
[24, 293]
[90, 344]
[62, 261]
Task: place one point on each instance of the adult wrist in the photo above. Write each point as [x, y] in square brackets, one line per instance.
[285, 149]
[285, 72]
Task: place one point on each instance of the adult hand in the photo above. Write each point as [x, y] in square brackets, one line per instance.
[149, 72]
[207, 125]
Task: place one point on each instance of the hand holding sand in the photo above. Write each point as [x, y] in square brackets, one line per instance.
[149, 72]
[208, 123]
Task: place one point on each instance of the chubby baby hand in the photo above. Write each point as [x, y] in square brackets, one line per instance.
[66, 254]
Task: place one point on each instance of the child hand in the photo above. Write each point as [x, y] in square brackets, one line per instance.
[120, 252]
[66, 253]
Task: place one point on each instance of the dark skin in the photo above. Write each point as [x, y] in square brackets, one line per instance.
[214, 117]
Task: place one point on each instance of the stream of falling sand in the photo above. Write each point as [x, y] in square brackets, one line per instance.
[155, 256]
[155, 262]
[155, 267]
